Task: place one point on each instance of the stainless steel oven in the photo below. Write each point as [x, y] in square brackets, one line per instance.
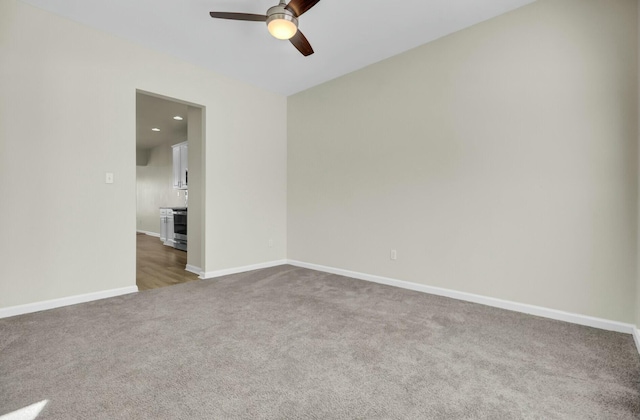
[180, 229]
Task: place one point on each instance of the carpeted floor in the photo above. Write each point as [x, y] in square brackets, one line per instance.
[291, 343]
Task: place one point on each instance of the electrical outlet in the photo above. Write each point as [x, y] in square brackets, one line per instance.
[394, 254]
[270, 243]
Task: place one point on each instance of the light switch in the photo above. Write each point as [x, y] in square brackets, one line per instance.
[108, 179]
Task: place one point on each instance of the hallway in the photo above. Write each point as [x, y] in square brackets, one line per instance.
[158, 265]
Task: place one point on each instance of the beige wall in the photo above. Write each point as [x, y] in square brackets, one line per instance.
[500, 160]
[638, 121]
[154, 188]
[196, 165]
[142, 156]
[67, 116]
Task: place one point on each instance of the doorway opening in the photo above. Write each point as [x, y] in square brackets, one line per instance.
[169, 191]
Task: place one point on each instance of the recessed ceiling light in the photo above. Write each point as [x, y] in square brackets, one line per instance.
[155, 129]
[178, 117]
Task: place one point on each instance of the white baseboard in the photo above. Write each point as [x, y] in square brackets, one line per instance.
[157, 235]
[469, 297]
[235, 270]
[193, 269]
[589, 321]
[65, 301]
[636, 337]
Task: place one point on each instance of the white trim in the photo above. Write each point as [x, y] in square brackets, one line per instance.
[235, 270]
[156, 235]
[193, 269]
[636, 337]
[589, 321]
[65, 301]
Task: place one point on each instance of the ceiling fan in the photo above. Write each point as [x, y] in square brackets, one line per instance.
[282, 21]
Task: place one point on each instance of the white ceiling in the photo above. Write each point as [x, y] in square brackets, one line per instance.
[345, 34]
[153, 112]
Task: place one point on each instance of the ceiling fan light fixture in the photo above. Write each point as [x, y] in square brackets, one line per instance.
[282, 25]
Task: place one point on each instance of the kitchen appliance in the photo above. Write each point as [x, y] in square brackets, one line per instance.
[180, 229]
[173, 227]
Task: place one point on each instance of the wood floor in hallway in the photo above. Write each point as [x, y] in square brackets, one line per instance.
[158, 265]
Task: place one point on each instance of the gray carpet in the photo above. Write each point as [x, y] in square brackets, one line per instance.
[291, 343]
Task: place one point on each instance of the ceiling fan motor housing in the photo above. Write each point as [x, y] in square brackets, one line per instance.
[279, 12]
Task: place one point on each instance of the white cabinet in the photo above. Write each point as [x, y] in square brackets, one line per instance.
[163, 225]
[180, 166]
[170, 233]
[166, 226]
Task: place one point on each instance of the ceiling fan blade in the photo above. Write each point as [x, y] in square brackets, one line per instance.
[239, 16]
[298, 7]
[300, 42]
